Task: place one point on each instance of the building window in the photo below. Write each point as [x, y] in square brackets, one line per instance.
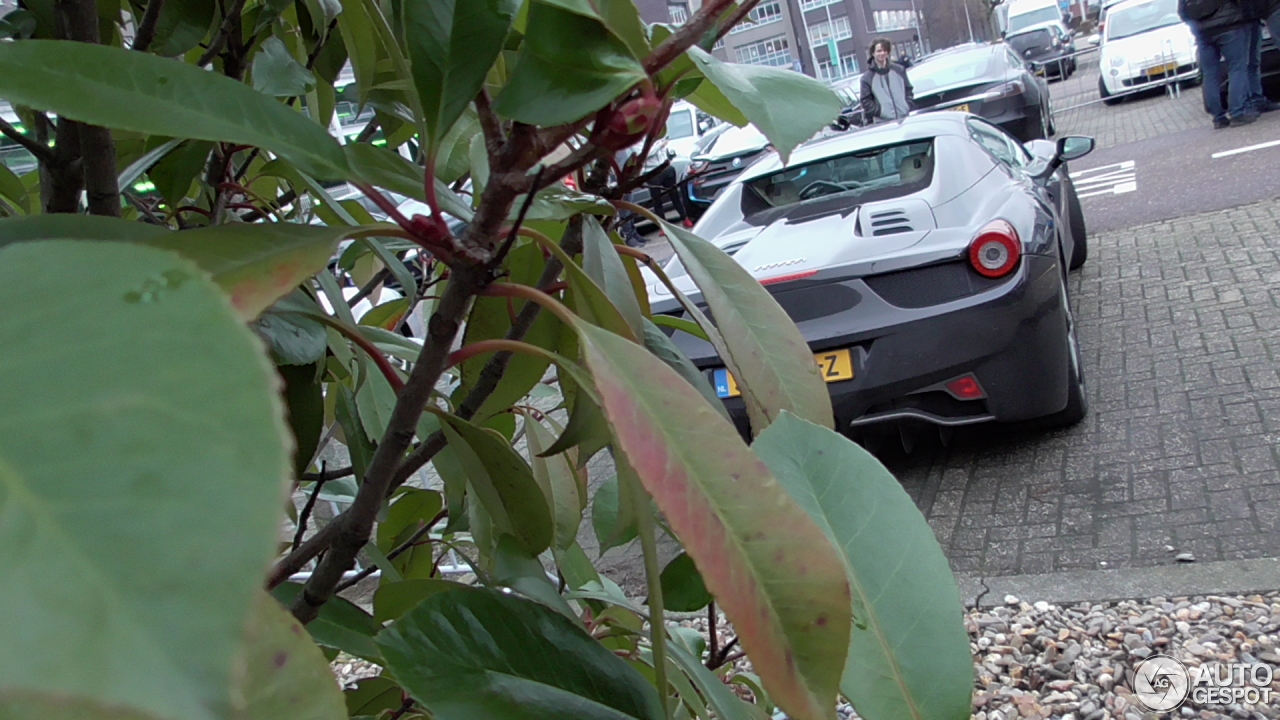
[679, 14]
[806, 5]
[848, 67]
[762, 14]
[823, 31]
[895, 20]
[719, 45]
[775, 51]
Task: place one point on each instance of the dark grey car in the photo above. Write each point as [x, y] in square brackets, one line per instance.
[924, 261]
[987, 80]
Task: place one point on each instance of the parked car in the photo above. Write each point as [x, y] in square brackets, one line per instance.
[722, 159]
[925, 262]
[1024, 14]
[850, 104]
[986, 80]
[1048, 47]
[686, 126]
[1145, 45]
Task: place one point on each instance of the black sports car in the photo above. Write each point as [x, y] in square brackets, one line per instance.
[924, 261]
[987, 80]
[1048, 48]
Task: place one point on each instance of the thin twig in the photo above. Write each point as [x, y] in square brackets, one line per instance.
[147, 28]
[224, 32]
[689, 34]
[395, 552]
[142, 206]
[405, 706]
[42, 152]
[330, 475]
[305, 515]
[496, 265]
[364, 292]
[712, 640]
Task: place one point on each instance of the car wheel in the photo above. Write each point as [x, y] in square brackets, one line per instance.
[1033, 127]
[1077, 392]
[1106, 96]
[1079, 236]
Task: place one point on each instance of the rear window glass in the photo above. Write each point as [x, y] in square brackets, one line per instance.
[884, 172]
[1034, 39]
[958, 69]
[1048, 13]
[680, 124]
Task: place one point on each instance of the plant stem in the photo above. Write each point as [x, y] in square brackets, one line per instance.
[395, 552]
[524, 292]
[652, 573]
[712, 640]
[42, 152]
[147, 28]
[305, 515]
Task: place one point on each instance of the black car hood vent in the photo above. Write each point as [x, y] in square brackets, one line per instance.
[889, 222]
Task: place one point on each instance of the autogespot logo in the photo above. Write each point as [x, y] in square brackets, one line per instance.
[1161, 683]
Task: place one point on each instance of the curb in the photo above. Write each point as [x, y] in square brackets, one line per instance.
[1226, 577]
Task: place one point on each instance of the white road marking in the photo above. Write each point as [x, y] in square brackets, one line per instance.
[1249, 148]
[1115, 179]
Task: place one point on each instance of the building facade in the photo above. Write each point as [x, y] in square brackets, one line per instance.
[826, 39]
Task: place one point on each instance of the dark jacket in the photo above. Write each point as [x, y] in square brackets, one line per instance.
[876, 78]
[1227, 14]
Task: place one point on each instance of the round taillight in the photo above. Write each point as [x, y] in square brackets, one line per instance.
[996, 250]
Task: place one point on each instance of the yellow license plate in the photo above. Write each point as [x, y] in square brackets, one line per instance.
[961, 108]
[833, 366]
[1161, 69]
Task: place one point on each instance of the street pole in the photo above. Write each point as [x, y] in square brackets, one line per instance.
[808, 40]
[836, 70]
[966, 19]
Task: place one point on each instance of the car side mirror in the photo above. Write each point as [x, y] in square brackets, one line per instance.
[1093, 40]
[1074, 147]
[671, 154]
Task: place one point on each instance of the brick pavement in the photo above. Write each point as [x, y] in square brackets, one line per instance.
[1179, 323]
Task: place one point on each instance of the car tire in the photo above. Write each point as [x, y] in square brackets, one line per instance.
[1079, 235]
[1033, 128]
[1106, 96]
[1077, 391]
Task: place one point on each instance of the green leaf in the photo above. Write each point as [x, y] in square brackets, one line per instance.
[412, 509]
[361, 39]
[182, 25]
[622, 17]
[452, 44]
[282, 673]
[127, 408]
[175, 172]
[763, 348]
[387, 315]
[720, 698]
[682, 587]
[576, 567]
[611, 529]
[767, 563]
[681, 324]
[558, 203]
[454, 476]
[503, 482]
[375, 400]
[371, 696]
[256, 264]
[304, 399]
[341, 625]
[292, 337]
[12, 188]
[76, 227]
[602, 264]
[353, 431]
[557, 477]
[786, 106]
[471, 653]
[452, 161]
[392, 600]
[143, 93]
[589, 300]
[909, 653]
[661, 346]
[276, 73]
[586, 429]
[570, 66]
[387, 169]
[516, 569]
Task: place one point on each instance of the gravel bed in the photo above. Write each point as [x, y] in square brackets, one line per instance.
[1040, 660]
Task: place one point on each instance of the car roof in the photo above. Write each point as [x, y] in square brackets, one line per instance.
[1048, 24]
[1124, 4]
[914, 127]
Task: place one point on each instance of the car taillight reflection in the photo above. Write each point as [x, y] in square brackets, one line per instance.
[996, 250]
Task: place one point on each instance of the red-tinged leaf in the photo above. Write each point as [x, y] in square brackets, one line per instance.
[387, 315]
[763, 348]
[767, 562]
[256, 264]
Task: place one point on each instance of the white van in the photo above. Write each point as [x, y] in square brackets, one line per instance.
[686, 126]
[1024, 14]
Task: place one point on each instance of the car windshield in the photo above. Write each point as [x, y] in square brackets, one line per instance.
[1034, 39]
[948, 70]
[735, 141]
[1132, 20]
[680, 124]
[907, 165]
[1048, 13]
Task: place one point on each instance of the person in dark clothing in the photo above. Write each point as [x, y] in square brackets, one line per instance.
[1258, 12]
[667, 188]
[886, 92]
[1222, 34]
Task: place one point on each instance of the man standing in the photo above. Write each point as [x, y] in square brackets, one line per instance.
[1223, 37]
[886, 93]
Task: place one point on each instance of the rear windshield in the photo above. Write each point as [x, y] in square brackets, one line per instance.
[950, 70]
[1028, 40]
[1134, 19]
[1048, 13]
[883, 172]
[680, 124]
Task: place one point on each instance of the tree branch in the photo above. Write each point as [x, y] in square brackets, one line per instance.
[396, 552]
[42, 152]
[691, 32]
[147, 28]
[354, 527]
[307, 508]
[490, 125]
[229, 22]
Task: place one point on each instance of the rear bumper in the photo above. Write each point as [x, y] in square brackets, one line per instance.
[1010, 337]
